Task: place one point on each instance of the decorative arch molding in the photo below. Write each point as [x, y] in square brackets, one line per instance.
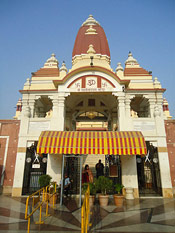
[92, 81]
[99, 76]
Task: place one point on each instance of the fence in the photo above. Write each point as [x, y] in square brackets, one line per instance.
[37, 200]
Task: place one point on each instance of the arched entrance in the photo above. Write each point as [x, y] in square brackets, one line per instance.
[91, 111]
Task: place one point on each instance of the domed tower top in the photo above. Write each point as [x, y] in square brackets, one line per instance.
[91, 33]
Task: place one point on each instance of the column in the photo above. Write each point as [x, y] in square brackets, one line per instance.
[57, 120]
[162, 151]
[129, 173]
[128, 118]
[54, 164]
[121, 113]
[61, 111]
[21, 151]
[32, 105]
[151, 106]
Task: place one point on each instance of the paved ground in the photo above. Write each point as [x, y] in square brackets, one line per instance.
[140, 215]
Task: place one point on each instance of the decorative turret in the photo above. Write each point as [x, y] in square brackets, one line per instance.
[119, 70]
[131, 61]
[18, 109]
[166, 109]
[52, 62]
[63, 70]
[156, 83]
[50, 68]
[132, 67]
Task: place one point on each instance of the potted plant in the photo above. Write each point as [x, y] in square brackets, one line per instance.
[118, 198]
[104, 185]
[92, 188]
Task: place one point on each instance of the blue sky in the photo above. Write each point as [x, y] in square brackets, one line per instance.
[31, 30]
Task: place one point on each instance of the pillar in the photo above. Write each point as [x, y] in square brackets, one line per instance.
[121, 113]
[57, 120]
[163, 152]
[54, 164]
[21, 151]
[129, 173]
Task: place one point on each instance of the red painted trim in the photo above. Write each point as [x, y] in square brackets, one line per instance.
[140, 148]
[137, 75]
[102, 139]
[147, 89]
[93, 142]
[45, 150]
[75, 81]
[83, 80]
[129, 139]
[98, 144]
[41, 90]
[126, 147]
[54, 150]
[85, 76]
[98, 82]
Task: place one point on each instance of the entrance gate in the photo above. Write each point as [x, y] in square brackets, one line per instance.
[112, 170]
[148, 172]
[35, 166]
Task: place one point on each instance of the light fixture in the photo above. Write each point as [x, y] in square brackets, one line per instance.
[91, 115]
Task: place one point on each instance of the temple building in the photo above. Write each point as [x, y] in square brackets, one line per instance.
[69, 118]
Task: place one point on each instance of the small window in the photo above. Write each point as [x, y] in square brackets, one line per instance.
[91, 102]
[80, 104]
[102, 104]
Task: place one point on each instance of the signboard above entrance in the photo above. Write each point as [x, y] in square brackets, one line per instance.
[91, 83]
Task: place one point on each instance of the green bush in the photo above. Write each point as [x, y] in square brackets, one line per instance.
[104, 184]
[92, 188]
[44, 180]
[118, 188]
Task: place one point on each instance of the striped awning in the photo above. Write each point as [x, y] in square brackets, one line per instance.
[89, 142]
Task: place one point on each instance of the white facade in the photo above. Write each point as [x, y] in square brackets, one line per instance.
[127, 99]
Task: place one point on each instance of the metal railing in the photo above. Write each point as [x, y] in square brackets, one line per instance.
[37, 200]
[85, 212]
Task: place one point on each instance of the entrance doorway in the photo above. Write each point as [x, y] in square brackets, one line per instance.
[35, 166]
[148, 173]
[112, 169]
[72, 170]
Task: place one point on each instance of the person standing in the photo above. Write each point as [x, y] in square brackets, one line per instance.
[87, 175]
[99, 169]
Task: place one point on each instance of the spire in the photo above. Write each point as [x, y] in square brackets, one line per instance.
[130, 59]
[156, 83]
[52, 62]
[90, 21]
[119, 67]
[63, 67]
[63, 70]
